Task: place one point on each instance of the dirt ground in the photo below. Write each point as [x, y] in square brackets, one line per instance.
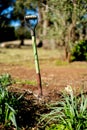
[54, 80]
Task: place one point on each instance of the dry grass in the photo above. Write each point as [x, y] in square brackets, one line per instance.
[24, 56]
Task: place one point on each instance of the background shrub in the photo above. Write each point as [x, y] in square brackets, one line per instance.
[7, 34]
[79, 52]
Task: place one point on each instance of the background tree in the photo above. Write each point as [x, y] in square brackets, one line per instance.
[5, 18]
[64, 19]
[61, 22]
[20, 10]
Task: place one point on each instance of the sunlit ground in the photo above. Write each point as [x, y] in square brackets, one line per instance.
[25, 57]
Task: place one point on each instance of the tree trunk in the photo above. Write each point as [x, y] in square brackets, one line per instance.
[70, 34]
[22, 33]
[43, 9]
[21, 40]
[45, 21]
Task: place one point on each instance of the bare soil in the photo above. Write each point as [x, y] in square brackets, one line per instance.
[54, 81]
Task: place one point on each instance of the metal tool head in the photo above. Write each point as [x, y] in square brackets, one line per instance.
[31, 21]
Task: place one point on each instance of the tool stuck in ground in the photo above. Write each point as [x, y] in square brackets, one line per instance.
[31, 22]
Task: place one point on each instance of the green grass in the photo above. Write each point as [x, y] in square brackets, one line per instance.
[61, 63]
[27, 82]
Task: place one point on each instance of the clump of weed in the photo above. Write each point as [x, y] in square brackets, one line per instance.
[7, 102]
[68, 114]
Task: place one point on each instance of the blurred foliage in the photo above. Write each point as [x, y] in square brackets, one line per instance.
[7, 34]
[63, 22]
[60, 22]
[79, 51]
[63, 17]
[20, 9]
[22, 32]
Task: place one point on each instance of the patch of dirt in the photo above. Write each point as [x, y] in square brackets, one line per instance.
[54, 80]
